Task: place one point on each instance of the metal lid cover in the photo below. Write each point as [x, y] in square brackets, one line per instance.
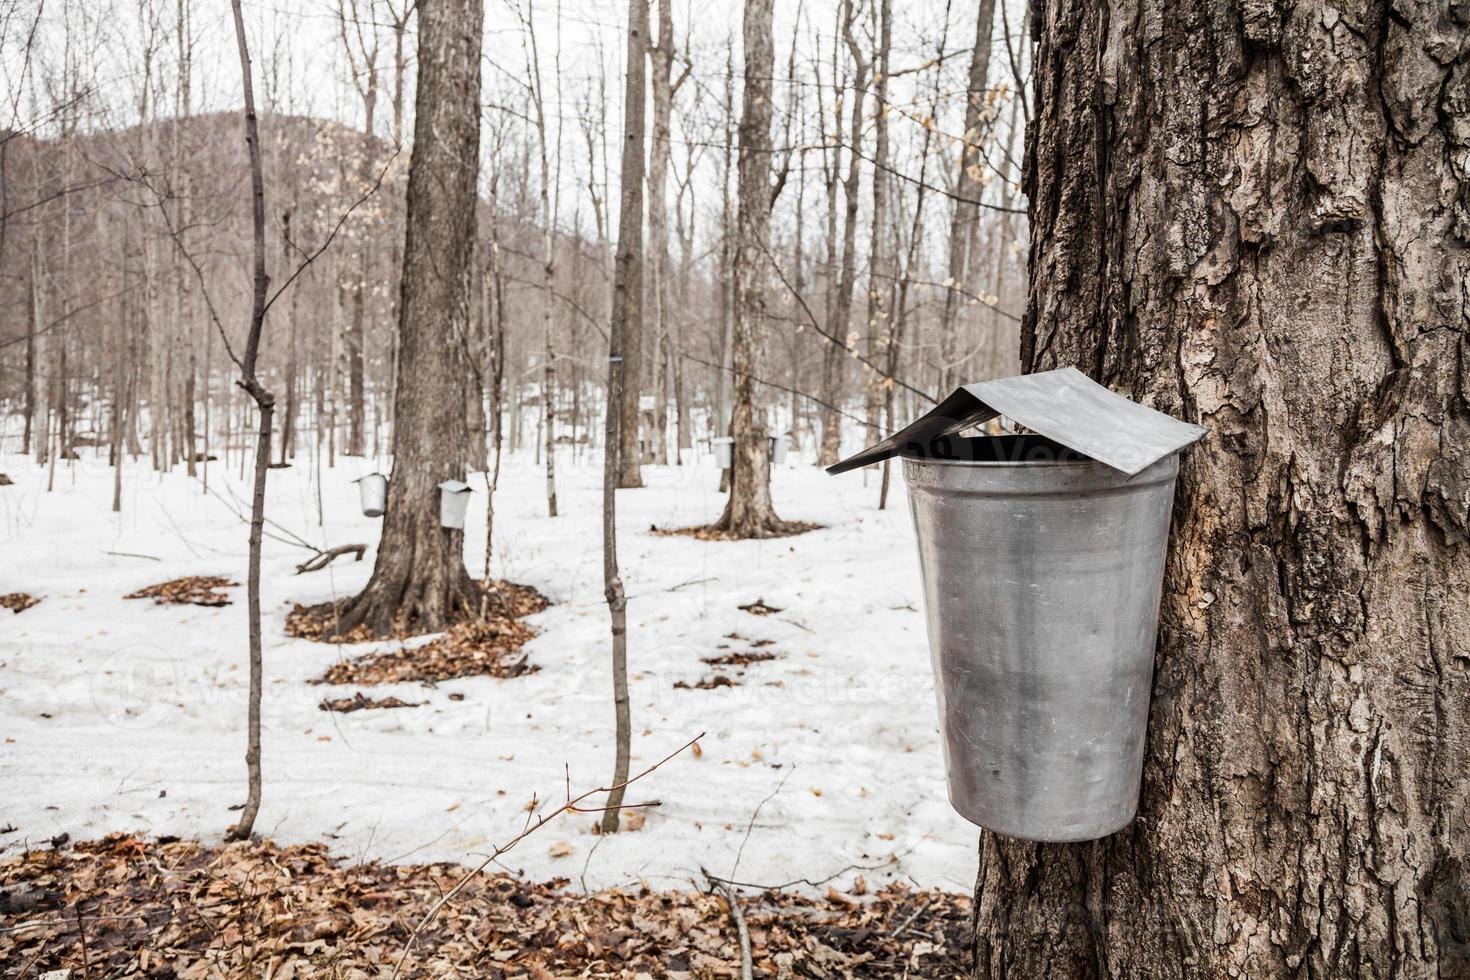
[1064, 405]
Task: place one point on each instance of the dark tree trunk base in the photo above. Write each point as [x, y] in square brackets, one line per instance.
[729, 529]
[397, 609]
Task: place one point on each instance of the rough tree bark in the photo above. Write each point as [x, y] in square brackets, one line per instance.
[629, 472]
[967, 189]
[1257, 218]
[748, 511]
[419, 581]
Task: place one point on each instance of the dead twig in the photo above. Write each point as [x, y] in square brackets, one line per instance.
[923, 907]
[757, 812]
[325, 558]
[129, 554]
[733, 900]
[82, 936]
[570, 806]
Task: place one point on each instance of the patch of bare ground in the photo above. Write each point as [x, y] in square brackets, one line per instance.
[17, 602]
[704, 532]
[195, 590]
[166, 908]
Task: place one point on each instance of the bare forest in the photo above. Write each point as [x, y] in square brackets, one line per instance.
[442, 408]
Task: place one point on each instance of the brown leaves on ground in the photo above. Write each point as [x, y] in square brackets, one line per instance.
[312, 622]
[738, 659]
[705, 532]
[360, 700]
[759, 608]
[706, 684]
[17, 602]
[156, 908]
[465, 650]
[198, 590]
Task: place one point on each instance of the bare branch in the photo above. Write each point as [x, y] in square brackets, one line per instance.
[529, 829]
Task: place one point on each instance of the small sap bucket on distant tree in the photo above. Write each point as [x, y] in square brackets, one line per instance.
[454, 500]
[778, 450]
[721, 446]
[1043, 559]
[373, 489]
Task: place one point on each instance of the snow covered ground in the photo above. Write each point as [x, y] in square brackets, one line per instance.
[128, 716]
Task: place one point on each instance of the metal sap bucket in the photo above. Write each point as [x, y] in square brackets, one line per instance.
[1042, 562]
[373, 489]
[721, 446]
[778, 450]
[454, 500]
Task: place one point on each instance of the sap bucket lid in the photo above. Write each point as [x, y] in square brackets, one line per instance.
[1064, 405]
[454, 486]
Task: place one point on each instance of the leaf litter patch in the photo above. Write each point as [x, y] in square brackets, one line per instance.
[464, 650]
[360, 700]
[180, 908]
[738, 660]
[17, 602]
[312, 622]
[477, 648]
[195, 590]
[704, 532]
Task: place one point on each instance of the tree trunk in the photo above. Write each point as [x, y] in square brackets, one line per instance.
[840, 315]
[627, 301]
[662, 69]
[419, 581]
[880, 253]
[967, 188]
[1259, 222]
[749, 512]
[33, 342]
[629, 458]
[288, 417]
[833, 355]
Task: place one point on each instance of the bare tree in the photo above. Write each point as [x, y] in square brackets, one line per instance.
[265, 404]
[839, 314]
[967, 190]
[627, 308]
[630, 473]
[749, 512]
[665, 86]
[549, 199]
[880, 242]
[419, 581]
[360, 42]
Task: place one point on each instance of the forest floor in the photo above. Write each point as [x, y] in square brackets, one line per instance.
[129, 906]
[802, 659]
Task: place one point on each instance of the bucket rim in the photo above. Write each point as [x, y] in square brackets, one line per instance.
[1024, 444]
[997, 464]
